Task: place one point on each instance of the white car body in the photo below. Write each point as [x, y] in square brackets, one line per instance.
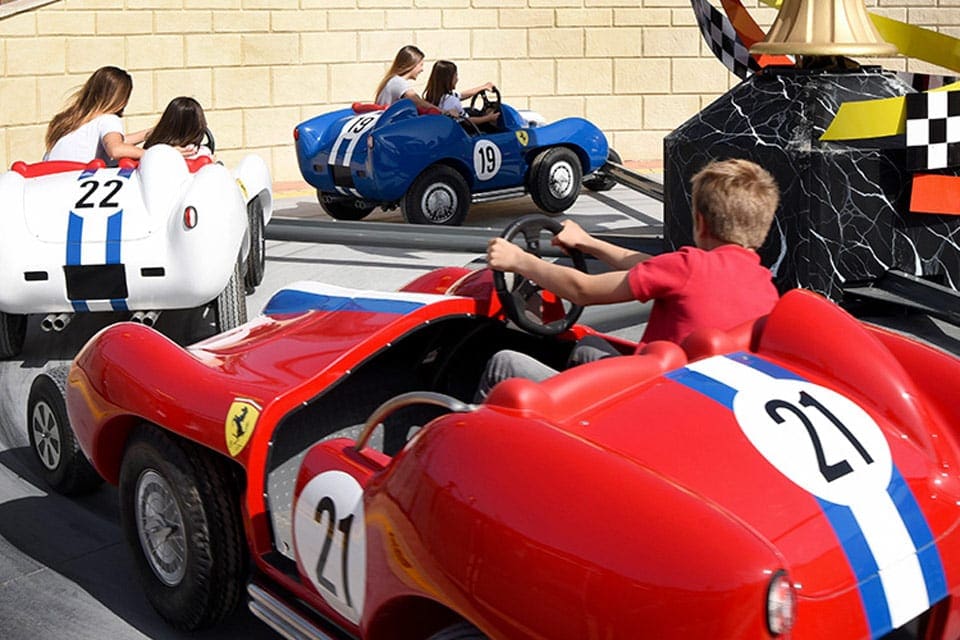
[113, 239]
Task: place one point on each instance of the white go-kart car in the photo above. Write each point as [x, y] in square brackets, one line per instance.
[162, 233]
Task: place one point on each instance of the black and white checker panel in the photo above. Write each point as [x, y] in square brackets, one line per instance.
[722, 39]
[925, 81]
[933, 130]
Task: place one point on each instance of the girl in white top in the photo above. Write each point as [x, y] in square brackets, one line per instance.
[183, 125]
[397, 83]
[442, 91]
[90, 126]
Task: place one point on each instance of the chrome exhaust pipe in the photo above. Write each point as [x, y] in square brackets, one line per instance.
[61, 320]
[137, 317]
[46, 324]
[149, 318]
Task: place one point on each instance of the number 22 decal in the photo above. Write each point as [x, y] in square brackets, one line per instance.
[330, 541]
[93, 186]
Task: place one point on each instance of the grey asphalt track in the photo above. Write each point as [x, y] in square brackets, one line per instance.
[65, 570]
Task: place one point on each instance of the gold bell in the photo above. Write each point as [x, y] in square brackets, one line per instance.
[824, 28]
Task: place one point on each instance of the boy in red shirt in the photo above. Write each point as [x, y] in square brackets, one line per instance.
[719, 283]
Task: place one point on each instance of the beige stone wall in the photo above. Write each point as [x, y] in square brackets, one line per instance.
[637, 68]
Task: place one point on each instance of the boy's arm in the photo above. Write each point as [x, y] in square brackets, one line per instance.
[572, 236]
[567, 282]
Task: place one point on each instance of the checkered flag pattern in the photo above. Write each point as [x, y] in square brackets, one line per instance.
[933, 130]
[722, 39]
[924, 81]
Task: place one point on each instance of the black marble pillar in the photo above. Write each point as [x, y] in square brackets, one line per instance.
[843, 218]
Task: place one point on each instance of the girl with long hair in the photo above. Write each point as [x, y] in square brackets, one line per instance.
[442, 91]
[90, 126]
[183, 125]
[397, 82]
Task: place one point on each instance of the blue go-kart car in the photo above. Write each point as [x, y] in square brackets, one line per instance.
[433, 166]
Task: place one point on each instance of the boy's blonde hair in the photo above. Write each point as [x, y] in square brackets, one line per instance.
[737, 199]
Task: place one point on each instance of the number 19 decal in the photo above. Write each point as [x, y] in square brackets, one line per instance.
[330, 541]
[819, 439]
[486, 159]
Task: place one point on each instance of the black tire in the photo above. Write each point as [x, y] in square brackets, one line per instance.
[256, 259]
[63, 464]
[459, 631]
[600, 181]
[439, 195]
[230, 307]
[343, 207]
[195, 575]
[555, 179]
[13, 331]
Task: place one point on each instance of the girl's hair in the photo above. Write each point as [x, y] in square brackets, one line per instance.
[441, 81]
[406, 59]
[106, 91]
[181, 125]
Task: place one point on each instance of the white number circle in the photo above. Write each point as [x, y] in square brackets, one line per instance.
[819, 439]
[486, 159]
[330, 542]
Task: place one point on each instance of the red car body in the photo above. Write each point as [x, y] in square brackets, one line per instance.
[662, 494]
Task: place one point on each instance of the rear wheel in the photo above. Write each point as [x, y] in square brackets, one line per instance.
[555, 179]
[179, 509]
[63, 464]
[256, 259]
[439, 195]
[344, 207]
[230, 307]
[13, 331]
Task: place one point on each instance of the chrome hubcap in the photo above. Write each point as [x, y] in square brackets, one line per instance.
[46, 435]
[561, 180]
[160, 528]
[439, 202]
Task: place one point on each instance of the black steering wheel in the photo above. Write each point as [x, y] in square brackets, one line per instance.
[210, 142]
[488, 105]
[525, 303]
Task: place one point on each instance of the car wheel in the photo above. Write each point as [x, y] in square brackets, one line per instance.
[439, 195]
[179, 509]
[63, 464]
[256, 259]
[555, 179]
[600, 181]
[342, 207]
[460, 631]
[13, 331]
[231, 305]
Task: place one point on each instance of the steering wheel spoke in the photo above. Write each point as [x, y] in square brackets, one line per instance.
[527, 304]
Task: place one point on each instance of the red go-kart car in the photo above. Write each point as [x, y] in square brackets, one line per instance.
[795, 477]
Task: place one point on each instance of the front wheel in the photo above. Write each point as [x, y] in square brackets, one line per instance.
[13, 332]
[555, 179]
[344, 207]
[439, 195]
[230, 307]
[179, 509]
[63, 464]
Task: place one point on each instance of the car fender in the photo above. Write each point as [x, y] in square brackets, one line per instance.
[163, 178]
[15, 239]
[315, 137]
[576, 133]
[253, 178]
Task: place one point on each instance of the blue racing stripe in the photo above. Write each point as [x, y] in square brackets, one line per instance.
[119, 304]
[80, 306]
[126, 172]
[922, 537]
[764, 366]
[74, 239]
[863, 564]
[705, 385]
[288, 301]
[86, 173]
[114, 231]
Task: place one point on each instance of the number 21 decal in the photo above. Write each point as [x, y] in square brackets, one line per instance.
[330, 540]
[818, 438]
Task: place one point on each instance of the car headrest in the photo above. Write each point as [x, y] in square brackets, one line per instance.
[366, 107]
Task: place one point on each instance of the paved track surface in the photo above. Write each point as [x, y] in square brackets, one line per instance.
[65, 570]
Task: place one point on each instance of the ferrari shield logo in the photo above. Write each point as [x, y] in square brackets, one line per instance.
[241, 419]
[523, 137]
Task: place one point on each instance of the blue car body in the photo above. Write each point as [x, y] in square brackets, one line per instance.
[375, 156]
